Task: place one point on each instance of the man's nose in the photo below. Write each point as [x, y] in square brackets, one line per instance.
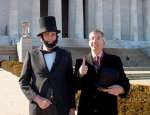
[52, 37]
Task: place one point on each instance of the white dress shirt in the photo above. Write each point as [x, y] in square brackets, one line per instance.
[49, 59]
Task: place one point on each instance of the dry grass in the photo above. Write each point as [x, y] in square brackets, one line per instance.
[137, 102]
[12, 66]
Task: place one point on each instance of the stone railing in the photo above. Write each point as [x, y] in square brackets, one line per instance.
[8, 52]
[137, 73]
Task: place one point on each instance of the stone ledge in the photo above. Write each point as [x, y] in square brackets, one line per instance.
[83, 43]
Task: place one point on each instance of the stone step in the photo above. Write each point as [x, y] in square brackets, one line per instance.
[135, 73]
[8, 50]
[138, 77]
[137, 68]
[146, 51]
[129, 57]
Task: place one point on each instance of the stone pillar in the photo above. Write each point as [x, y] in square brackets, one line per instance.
[35, 17]
[107, 18]
[146, 19]
[116, 20]
[98, 14]
[55, 9]
[91, 15]
[140, 20]
[134, 20]
[76, 28]
[13, 18]
[125, 19]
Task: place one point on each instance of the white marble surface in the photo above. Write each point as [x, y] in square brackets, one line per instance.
[12, 99]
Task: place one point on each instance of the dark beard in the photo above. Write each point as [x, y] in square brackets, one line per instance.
[50, 45]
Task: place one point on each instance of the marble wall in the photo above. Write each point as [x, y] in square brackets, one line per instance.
[4, 6]
[119, 19]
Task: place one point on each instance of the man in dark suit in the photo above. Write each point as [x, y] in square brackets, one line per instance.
[101, 78]
[47, 74]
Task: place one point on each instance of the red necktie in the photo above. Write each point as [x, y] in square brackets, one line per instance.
[97, 61]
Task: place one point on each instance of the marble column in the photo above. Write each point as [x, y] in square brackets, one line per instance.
[140, 20]
[76, 27]
[35, 17]
[13, 18]
[134, 20]
[55, 9]
[91, 15]
[146, 19]
[99, 14]
[125, 19]
[107, 18]
[116, 20]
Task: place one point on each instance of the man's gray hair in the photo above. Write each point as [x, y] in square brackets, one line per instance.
[98, 31]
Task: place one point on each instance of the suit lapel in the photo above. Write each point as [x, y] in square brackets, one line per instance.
[40, 60]
[103, 59]
[90, 59]
[57, 59]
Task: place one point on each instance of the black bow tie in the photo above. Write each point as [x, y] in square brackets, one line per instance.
[47, 52]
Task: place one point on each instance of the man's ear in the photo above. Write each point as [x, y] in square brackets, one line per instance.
[104, 41]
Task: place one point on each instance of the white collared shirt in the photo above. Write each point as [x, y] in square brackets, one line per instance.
[49, 59]
[99, 55]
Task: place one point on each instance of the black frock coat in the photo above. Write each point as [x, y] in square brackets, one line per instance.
[37, 79]
[110, 72]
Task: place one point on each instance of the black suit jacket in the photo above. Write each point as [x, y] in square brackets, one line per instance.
[36, 79]
[110, 72]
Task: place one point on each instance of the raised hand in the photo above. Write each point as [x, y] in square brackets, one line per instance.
[83, 68]
[72, 111]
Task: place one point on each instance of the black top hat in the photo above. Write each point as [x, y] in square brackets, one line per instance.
[47, 24]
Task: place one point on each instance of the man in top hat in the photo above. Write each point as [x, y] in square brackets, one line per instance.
[47, 75]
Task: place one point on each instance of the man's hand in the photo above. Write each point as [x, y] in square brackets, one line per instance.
[43, 103]
[72, 111]
[114, 90]
[83, 68]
